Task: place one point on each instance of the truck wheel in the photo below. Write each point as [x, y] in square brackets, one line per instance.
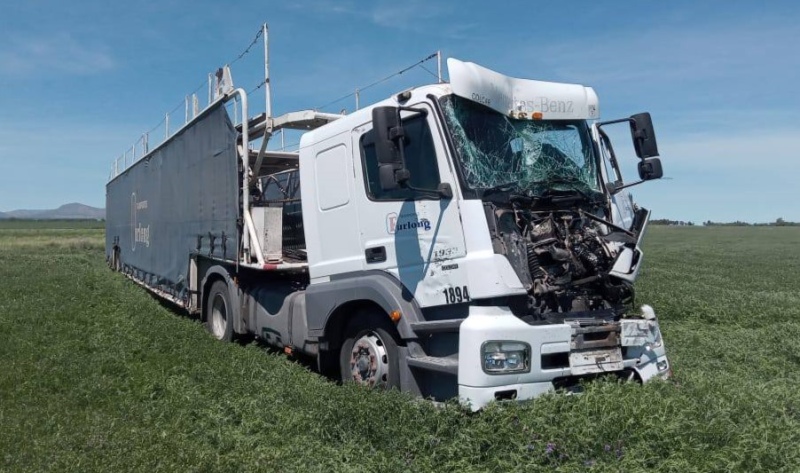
[218, 313]
[369, 354]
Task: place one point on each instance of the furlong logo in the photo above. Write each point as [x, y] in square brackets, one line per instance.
[395, 224]
[139, 233]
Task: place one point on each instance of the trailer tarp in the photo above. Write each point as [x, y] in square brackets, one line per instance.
[180, 199]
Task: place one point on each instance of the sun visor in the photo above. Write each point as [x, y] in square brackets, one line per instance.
[509, 95]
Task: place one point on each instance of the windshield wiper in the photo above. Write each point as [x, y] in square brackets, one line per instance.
[504, 187]
[573, 188]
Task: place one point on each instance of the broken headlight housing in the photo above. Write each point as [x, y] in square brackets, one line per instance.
[505, 357]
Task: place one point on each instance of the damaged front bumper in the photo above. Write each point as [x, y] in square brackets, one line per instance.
[554, 352]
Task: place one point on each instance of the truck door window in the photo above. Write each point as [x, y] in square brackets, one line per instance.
[609, 158]
[420, 156]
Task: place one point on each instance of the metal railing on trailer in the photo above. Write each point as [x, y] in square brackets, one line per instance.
[264, 126]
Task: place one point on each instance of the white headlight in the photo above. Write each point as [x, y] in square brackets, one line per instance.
[501, 357]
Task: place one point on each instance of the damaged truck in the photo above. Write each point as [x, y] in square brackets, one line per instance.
[471, 238]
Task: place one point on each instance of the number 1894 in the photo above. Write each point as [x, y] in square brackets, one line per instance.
[456, 295]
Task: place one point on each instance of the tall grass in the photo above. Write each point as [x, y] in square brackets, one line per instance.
[98, 376]
[33, 240]
[47, 225]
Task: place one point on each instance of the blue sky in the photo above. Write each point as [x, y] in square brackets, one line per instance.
[81, 81]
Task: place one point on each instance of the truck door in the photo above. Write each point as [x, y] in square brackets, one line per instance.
[622, 211]
[417, 236]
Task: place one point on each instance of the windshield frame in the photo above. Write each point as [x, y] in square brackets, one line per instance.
[591, 153]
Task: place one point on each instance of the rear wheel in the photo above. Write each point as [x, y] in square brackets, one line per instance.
[114, 261]
[369, 354]
[218, 313]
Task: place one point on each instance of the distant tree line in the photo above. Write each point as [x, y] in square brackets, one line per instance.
[779, 222]
[666, 221]
[20, 219]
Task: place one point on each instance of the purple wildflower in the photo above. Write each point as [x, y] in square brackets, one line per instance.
[551, 447]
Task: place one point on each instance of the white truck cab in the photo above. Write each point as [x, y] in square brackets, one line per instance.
[485, 199]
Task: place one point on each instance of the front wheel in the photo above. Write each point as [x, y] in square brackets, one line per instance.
[218, 312]
[369, 354]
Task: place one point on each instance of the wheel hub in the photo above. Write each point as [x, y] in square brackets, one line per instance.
[368, 361]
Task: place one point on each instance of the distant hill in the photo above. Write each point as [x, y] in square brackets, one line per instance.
[73, 211]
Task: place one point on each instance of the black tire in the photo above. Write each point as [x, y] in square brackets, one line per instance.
[375, 360]
[114, 261]
[218, 312]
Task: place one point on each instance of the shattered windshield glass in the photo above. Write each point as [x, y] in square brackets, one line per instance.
[528, 157]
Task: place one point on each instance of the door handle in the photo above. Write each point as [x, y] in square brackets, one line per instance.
[376, 255]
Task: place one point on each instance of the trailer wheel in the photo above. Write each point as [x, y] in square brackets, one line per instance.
[218, 313]
[114, 261]
[369, 354]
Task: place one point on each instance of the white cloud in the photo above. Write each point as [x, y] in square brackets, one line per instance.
[763, 151]
[60, 53]
[406, 14]
[409, 15]
[675, 54]
[73, 167]
[95, 144]
[722, 175]
[322, 6]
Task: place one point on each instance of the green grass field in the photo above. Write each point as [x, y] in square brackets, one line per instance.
[52, 224]
[98, 376]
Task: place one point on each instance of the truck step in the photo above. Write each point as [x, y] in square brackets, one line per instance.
[436, 326]
[448, 364]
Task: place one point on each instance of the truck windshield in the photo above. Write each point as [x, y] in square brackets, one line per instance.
[521, 156]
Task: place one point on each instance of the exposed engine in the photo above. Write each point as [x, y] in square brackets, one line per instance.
[562, 258]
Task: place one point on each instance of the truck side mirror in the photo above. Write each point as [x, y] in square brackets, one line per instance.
[650, 168]
[644, 143]
[644, 136]
[389, 134]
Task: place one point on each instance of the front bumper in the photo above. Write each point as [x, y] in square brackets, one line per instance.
[640, 351]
